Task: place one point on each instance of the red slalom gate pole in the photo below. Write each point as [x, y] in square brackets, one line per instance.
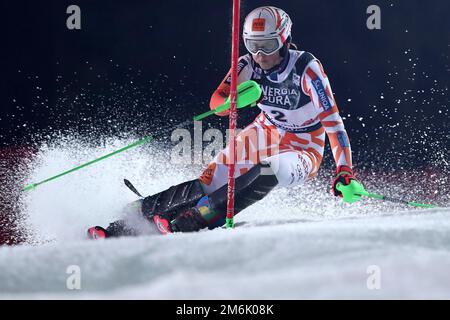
[233, 114]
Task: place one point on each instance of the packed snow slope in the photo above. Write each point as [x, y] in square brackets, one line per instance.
[296, 243]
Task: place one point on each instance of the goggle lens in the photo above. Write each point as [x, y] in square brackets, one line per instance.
[266, 46]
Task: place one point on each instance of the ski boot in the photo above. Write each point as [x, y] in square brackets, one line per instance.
[117, 228]
[185, 207]
[193, 219]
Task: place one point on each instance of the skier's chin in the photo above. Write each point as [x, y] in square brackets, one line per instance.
[268, 62]
[266, 66]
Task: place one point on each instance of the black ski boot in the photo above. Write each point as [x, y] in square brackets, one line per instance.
[185, 207]
[115, 229]
[187, 221]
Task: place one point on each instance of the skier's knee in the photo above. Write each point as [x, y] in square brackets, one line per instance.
[291, 168]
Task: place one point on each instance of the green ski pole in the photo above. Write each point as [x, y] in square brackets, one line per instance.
[354, 190]
[411, 203]
[34, 185]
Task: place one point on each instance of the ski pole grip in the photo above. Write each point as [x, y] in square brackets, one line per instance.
[249, 93]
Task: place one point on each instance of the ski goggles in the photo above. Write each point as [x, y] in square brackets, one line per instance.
[265, 46]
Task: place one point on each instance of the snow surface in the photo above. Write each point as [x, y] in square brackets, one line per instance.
[296, 243]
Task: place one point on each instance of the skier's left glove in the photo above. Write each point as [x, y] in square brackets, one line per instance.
[346, 186]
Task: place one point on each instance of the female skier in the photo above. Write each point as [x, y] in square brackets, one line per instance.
[283, 146]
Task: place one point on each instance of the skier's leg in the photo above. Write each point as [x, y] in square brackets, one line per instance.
[180, 199]
[252, 183]
[186, 206]
[253, 144]
[210, 211]
[200, 203]
[294, 167]
[254, 178]
[167, 203]
[285, 169]
[172, 201]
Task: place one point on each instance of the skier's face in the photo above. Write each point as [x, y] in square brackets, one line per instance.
[267, 62]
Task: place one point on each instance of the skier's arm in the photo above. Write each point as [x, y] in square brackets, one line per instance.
[315, 82]
[223, 91]
[219, 96]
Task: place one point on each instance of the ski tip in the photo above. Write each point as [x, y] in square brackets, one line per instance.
[162, 224]
[96, 233]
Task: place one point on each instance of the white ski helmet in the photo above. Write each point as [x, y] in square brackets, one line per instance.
[266, 30]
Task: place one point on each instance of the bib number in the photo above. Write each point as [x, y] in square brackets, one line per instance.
[278, 115]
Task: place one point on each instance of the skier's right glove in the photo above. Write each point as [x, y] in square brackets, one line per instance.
[227, 100]
[346, 186]
[241, 87]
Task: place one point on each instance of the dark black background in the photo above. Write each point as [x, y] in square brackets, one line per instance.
[144, 66]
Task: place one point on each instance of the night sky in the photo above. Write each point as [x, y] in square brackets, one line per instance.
[143, 67]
